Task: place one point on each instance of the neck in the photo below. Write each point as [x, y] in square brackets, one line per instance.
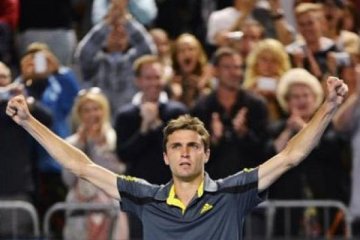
[186, 190]
[314, 46]
[227, 97]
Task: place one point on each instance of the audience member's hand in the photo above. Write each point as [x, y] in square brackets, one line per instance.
[117, 12]
[295, 123]
[91, 133]
[28, 66]
[149, 113]
[239, 122]
[298, 57]
[275, 5]
[216, 127]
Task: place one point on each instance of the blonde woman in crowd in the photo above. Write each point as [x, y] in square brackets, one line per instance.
[95, 136]
[192, 73]
[265, 66]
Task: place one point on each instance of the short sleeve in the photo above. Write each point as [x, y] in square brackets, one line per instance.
[135, 193]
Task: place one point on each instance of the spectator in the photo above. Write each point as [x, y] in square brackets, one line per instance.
[139, 124]
[252, 33]
[95, 137]
[107, 52]
[139, 128]
[265, 65]
[236, 119]
[192, 73]
[17, 156]
[56, 87]
[312, 52]
[49, 22]
[334, 11]
[144, 11]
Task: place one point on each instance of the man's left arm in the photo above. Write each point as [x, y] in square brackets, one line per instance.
[303, 143]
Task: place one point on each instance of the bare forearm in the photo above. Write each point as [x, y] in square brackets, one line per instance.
[283, 32]
[303, 142]
[67, 155]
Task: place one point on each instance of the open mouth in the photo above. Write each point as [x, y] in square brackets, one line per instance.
[185, 164]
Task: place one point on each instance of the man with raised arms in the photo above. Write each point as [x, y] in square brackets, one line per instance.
[192, 205]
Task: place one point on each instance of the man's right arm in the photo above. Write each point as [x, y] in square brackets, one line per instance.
[67, 155]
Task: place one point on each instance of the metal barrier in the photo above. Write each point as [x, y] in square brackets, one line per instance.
[25, 206]
[112, 209]
[271, 206]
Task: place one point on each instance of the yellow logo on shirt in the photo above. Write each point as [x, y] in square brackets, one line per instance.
[206, 208]
[129, 178]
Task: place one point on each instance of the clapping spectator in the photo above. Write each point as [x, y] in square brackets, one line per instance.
[107, 52]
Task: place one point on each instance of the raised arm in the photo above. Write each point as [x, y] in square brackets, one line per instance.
[67, 155]
[303, 143]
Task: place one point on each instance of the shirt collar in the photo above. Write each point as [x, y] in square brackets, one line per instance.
[209, 185]
[136, 100]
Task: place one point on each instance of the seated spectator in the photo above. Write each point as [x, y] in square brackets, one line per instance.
[139, 123]
[265, 65]
[139, 127]
[300, 94]
[17, 163]
[56, 87]
[192, 73]
[96, 138]
[235, 117]
[107, 52]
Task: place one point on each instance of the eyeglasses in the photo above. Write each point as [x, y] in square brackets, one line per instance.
[95, 90]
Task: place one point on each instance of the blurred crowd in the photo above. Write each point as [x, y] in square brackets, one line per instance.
[107, 75]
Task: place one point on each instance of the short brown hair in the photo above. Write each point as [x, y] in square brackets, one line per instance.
[141, 61]
[223, 52]
[186, 122]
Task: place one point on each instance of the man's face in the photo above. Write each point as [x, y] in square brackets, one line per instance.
[229, 71]
[117, 40]
[4, 76]
[309, 26]
[185, 154]
[150, 81]
[252, 35]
